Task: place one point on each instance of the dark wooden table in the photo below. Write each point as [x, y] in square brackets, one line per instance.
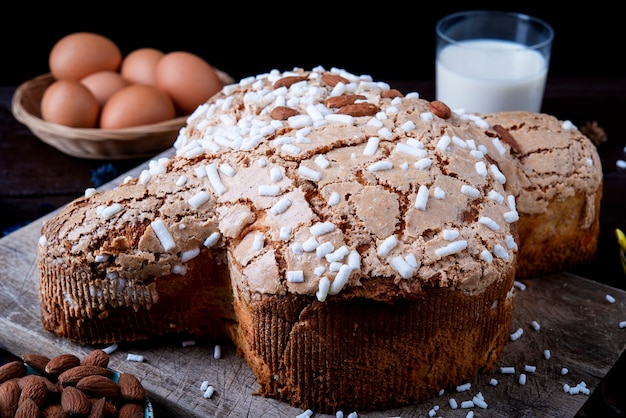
[35, 179]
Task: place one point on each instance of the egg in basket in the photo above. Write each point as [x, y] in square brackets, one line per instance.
[97, 104]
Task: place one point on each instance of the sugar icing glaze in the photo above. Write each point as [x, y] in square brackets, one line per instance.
[297, 195]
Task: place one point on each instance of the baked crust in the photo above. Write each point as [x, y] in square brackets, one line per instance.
[333, 229]
[559, 191]
[568, 236]
[197, 304]
[351, 353]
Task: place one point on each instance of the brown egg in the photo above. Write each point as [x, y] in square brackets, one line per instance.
[79, 54]
[70, 103]
[104, 84]
[188, 79]
[136, 104]
[140, 65]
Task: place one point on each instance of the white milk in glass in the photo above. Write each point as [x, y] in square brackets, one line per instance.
[487, 76]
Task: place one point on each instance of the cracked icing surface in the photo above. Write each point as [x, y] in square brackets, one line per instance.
[565, 166]
[317, 203]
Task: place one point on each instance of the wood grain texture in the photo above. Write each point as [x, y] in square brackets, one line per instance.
[578, 325]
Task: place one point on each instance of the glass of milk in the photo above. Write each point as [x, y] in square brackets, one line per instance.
[491, 61]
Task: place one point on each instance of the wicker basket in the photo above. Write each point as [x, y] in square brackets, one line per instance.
[93, 143]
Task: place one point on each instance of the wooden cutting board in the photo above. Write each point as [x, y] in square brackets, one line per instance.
[576, 323]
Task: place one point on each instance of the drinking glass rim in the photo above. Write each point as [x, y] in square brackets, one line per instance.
[516, 15]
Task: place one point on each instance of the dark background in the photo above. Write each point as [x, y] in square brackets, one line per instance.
[388, 40]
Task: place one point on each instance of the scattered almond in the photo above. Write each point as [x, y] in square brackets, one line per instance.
[54, 410]
[391, 93]
[98, 409]
[507, 138]
[440, 109]
[131, 410]
[66, 387]
[131, 388]
[9, 398]
[36, 362]
[61, 363]
[343, 100]
[334, 79]
[98, 386]
[35, 389]
[283, 112]
[75, 401]
[111, 408]
[11, 370]
[359, 109]
[50, 385]
[288, 81]
[96, 358]
[73, 375]
[28, 409]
